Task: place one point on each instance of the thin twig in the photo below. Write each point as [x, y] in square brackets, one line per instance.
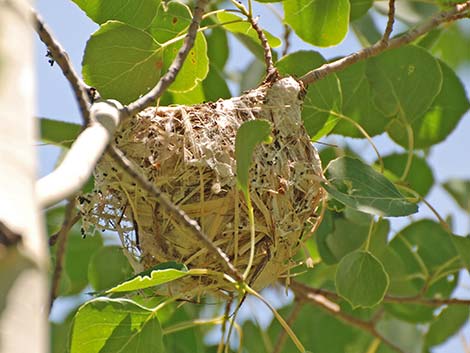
[459, 11]
[179, 215]
[287, 33]
[60, 251]
[60, 56]
[167, 79]
[390, 21]
[55, 237]
[271, 72]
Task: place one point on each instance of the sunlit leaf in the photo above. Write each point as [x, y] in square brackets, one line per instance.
[107, 325]
[155, 276]
[361, 279]
[318, 22]
[171, 20]
[249, 134]
[359, 186]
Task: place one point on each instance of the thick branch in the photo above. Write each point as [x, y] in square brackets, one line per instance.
[167, 79]
[178, 214]
[59, 55]
[78, 164]
[459, 11]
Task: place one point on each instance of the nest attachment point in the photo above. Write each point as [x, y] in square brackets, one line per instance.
[189, 153]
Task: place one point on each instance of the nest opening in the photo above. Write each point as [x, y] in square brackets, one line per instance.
[189, 153]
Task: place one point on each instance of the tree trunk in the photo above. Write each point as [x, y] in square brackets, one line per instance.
[23, 252]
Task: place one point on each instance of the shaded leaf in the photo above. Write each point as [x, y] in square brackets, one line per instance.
[107, 267]
[249, 134]
[215, 86]
[408, 337]
[217, 47]
[330, 19]
[59, 133]
[447, 324]
[460, 191]
[137, 13]
[462, 244]
[323, 98]
[359, 8]
[359, 186]
[118, 325]
[361, 279]
[404, 81]
[441, 118]
[155, 276]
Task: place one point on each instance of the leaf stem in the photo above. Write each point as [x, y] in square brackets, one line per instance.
[409, 161]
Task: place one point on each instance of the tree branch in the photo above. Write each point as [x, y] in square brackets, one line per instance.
[179, 215]
[167, 79]
[458, 11]
[59, 55]
[80, 161]
[62, 236]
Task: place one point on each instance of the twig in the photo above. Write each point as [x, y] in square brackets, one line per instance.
[167, 79]
[55, 237]
[281, 339]
[287, 33]
[459, 11]
[390, 21]
[57, 53]
[271, 72]
[178, 213]
[60, 252]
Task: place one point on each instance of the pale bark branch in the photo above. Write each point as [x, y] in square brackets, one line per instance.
[60, 56]
[459, 11]
[170, 76]
[80, 161]
[178, 214]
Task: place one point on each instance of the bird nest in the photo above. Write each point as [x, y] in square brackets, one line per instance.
[189, 153]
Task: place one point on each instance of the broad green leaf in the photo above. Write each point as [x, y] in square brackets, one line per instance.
[195, 96]
[137, 13]
[60, 133]
[359, 186]
[357, 104]
[366, 30]
[452, 45]
[318, 22]
[243, 27]
[122, 62]
[414, 313]
[404, 81]
[462, 244]
[323, 98]
[440, 119]
[107, 325]
[361, 279]
[359, 8]
[417, 246]
[249, 134]
[217, 47]
[171, 20]
[344, 237]
[408, 337]
[215, 85]
[107, 267]
[194, 69]
[77, 254]
[460, 191]
[420, 177]
[447, 324]
[155, 276]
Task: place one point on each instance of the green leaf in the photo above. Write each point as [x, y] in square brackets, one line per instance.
[404, 81]
[171, 20]
[343, 237]
[155, 276]
[107, 325]
[460, 191]
[122, 62]
[357, 104]
[194, 69]
[322, 99]
[245, 28]
[447, 324]
[359, 186]
[217, 47]
[137, 13]
[420, 177]
[59, 133]
[361, 279]
[441, 118]
[452, 45]
[215, 86]
[107, 267]
[359, 8]
[408, 337]
[318, 22]
[462, 244]
[249, 134]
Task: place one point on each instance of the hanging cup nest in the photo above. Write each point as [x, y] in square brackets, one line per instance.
[189, 153]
